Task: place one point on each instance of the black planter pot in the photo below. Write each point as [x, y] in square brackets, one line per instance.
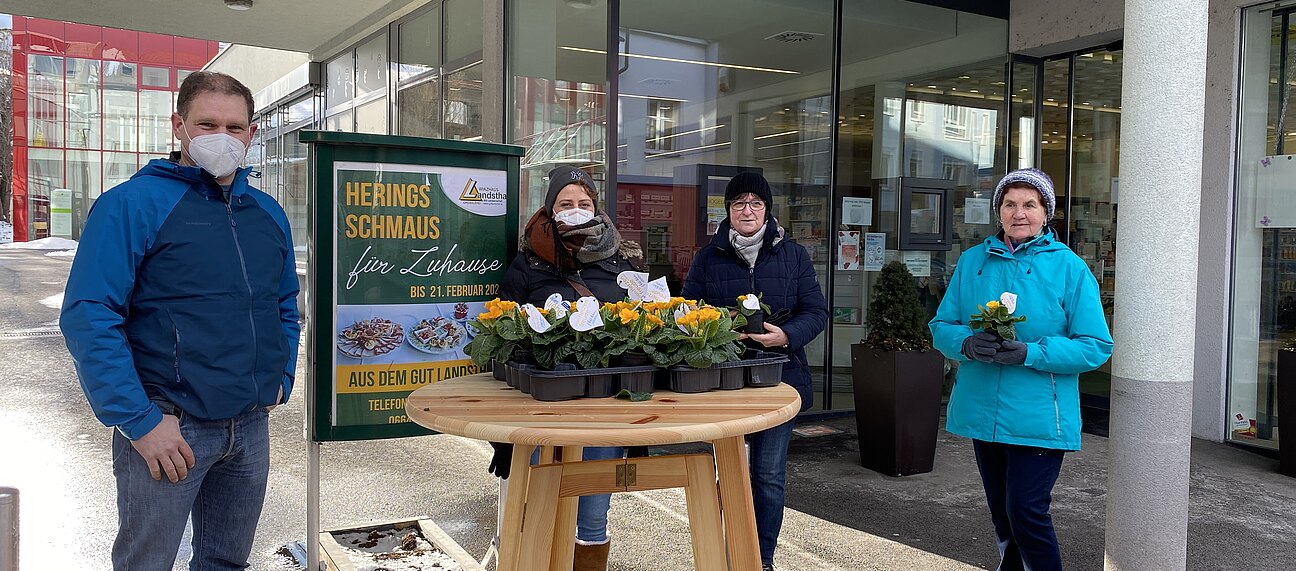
[1287, 413]
[631, 359]
[755, 323]
[897, 408]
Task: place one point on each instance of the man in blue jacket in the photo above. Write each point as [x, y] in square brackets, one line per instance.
[180, 314]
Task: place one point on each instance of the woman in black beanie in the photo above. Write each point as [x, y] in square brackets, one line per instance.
[750, 254]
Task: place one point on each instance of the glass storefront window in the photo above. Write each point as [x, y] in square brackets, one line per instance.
[339, 75]
[85, 180]
[896, 126]
[1095, 184]
[121, 107]
[155, 121]
[118, 168]
[463, 106]
[1264, 241]
[83, 104]
[45, 101]
[44, 174]
[559, 92]
[159, 77]
[418, 97]
[463, 32]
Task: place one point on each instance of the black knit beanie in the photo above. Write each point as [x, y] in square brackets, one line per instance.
[563, 176]
[748, 183]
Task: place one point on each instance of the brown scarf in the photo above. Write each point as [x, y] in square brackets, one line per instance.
[574, 246]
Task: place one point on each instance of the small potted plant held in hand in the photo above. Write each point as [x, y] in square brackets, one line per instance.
[998, 317]
[898, 379]
[754, 310]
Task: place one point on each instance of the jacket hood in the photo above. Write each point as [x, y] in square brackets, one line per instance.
[190, 176]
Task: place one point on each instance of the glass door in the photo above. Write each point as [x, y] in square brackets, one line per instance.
[1079, 147]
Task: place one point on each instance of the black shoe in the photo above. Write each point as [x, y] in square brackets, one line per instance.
[767, 567]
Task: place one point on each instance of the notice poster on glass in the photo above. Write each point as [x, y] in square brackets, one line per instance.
[874, 251]
[918, 263]
[857, 211]
[715, 214]
[848, 250]
[976, 211]
[60, 205]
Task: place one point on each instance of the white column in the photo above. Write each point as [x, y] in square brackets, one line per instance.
[1163, 99]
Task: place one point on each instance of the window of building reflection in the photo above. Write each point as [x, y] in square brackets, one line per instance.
[45, 101]
[84, 113]
[121, 106]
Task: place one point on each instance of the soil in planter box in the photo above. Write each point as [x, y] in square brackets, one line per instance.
[392, 549]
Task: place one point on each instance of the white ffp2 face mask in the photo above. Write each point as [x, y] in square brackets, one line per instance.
[573, 216]
[218, 153]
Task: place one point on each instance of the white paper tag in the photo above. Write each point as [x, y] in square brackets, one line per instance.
[535, 321]
[586, 316]
[556, 304]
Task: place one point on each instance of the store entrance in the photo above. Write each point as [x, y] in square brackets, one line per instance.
[1078, 144]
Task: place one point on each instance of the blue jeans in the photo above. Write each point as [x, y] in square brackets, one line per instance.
[768, 462]
[223, 492]
[591, 516]
[1018, 484]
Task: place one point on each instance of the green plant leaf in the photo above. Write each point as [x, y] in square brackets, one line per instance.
[634, 396]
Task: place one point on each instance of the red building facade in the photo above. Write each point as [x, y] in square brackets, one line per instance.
[91, 104]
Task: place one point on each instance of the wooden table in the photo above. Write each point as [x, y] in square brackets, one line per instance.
[542, 498]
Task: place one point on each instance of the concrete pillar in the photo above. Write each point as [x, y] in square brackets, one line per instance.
[1156, 289]
[494, 81]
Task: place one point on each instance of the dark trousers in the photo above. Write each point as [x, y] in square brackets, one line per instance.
[1018, 483]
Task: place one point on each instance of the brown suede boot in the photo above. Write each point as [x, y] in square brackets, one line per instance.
[591, 557]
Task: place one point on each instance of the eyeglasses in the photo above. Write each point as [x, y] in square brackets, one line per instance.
[754, 205]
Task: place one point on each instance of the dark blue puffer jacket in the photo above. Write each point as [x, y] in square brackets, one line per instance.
[177, 295]
[786, 281]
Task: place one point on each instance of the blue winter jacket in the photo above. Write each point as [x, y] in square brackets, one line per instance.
[177, 295]
[1036, 403]
[786, 281]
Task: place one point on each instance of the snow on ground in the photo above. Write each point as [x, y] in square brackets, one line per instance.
[54, 301]
[61, 254]
[42, 244]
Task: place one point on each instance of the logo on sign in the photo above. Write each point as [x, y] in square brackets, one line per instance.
[470, 193]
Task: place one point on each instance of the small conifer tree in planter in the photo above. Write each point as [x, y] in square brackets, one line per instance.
[898, 379]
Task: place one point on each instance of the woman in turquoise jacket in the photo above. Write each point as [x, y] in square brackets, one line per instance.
[1019, 401]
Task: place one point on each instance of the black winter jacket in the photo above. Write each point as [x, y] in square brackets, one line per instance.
[530, 279]
[786, 281]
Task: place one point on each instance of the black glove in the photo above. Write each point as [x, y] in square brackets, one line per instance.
[981, 346]
[502, 460]
[1011, 353]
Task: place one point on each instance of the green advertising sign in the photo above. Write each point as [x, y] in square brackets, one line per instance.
[412, 237]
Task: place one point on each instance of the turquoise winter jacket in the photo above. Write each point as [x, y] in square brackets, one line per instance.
[1036, 403]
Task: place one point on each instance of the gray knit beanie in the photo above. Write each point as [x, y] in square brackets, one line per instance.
[1033, 177]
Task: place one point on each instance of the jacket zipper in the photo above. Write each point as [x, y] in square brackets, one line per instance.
[229, 211]
[1057, 415]
[176, 354]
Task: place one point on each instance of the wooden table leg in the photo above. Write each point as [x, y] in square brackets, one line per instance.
[538, 522]
[564, 535]
[514, 505]
[741, 541]
[704, 514]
